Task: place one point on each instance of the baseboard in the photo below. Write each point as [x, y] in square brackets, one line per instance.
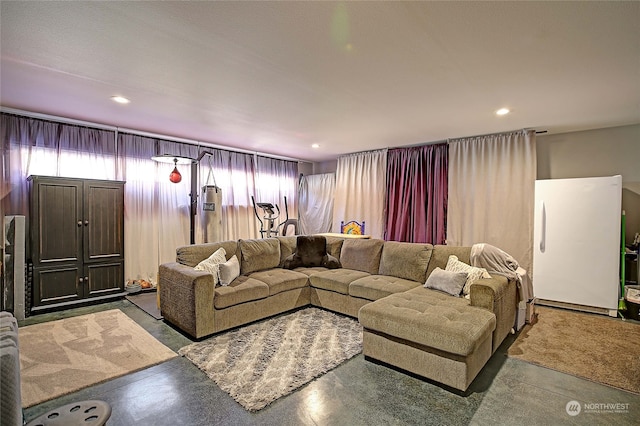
[576, 307]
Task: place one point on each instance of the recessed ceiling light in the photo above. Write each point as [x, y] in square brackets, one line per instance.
[315, 146]
[120, 99]
[503, 111]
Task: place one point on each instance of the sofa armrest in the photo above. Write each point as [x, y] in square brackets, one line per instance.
[186, 298]
[498, 295]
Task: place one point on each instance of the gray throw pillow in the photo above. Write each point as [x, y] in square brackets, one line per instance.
[447, 281]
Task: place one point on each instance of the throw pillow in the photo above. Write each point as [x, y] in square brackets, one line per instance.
[211, 264]
[229, 271]
[473, 273]
[311, 251]
[331, 262]
[446, 281]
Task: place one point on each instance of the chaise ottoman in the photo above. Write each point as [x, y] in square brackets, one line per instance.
[429, 333]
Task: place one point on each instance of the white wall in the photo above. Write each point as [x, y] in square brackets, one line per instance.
[329, 166]
[601, 152]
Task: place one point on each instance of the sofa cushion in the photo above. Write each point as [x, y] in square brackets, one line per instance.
[430, 319]
[334, 246]
[441, 253]
[196, 253]
[405, 260]
[258, 255]
[449, 282]
[361, 255]
[311, 271]
[280, 280]
[287, 247]
[375, 287]
[242, 289]
[337, 280]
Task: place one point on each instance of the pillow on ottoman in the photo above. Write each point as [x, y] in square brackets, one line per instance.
[311, 250]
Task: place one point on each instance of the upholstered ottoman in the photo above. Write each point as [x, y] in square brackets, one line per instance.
[429, 333]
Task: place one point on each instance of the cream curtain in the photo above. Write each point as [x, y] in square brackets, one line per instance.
[491, 193]
[141, 220]
[361, 182]
[315, 204]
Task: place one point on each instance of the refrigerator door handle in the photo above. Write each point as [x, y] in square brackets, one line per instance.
[543, 228]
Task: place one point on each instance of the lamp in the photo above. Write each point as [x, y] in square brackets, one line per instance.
[176, 177]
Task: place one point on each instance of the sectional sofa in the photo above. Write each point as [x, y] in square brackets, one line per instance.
[444, 338]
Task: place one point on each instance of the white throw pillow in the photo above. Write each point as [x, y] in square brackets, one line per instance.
[447, 281]
[212, 264]
[473, 273]
[229, 271]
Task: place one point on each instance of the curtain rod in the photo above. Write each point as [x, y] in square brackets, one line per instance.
[495, 134]
[449, 140]
[116, 129]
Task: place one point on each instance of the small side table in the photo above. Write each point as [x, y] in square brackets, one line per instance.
[90, 412]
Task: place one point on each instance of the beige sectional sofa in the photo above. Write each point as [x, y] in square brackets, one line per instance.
[444, 338]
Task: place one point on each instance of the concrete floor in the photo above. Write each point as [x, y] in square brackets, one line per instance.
[359, 392]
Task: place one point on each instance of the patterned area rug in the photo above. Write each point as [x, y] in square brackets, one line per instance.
[264, 361]
[60, 357]
[594, 347]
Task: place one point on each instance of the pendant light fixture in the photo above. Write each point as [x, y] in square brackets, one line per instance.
[175, 175]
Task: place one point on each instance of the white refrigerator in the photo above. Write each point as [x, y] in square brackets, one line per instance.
[576, 252]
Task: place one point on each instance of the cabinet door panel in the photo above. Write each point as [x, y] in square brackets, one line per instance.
[59, 208]
[104, 278]
[57, 285]
[103, 221]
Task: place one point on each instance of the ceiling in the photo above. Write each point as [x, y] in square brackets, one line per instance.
[277, 77]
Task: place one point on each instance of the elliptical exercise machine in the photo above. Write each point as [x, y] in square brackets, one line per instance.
[268, 227]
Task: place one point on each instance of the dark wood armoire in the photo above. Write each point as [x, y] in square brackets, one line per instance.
[76, 240]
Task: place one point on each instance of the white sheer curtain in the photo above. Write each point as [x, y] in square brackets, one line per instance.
[141, 221]
[156, 218]
[491, 193]
[234, 174]
[361, 182]
[39, 147]
[315, 203]
[172, 200]
[276, 179]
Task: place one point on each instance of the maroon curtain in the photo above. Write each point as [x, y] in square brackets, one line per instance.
[417, 194]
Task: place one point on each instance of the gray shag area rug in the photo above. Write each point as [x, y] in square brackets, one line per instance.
[262, 362]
